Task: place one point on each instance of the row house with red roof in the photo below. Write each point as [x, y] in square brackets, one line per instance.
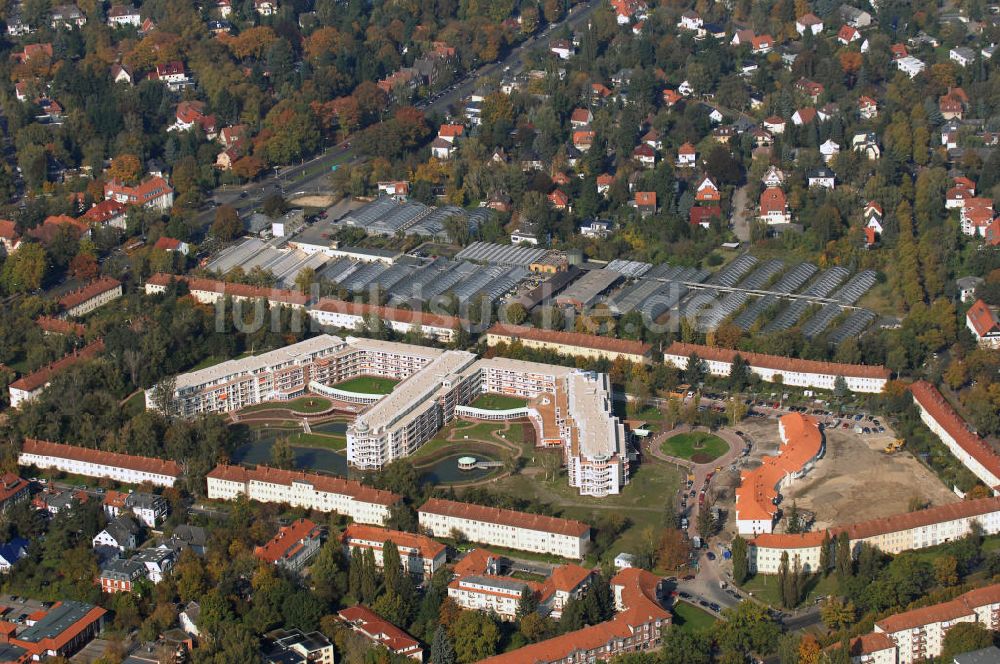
[124, 468]
[976, 215]
[90, 297]
[31, 385]
[107, 213]
[190, 114]
[59, 631]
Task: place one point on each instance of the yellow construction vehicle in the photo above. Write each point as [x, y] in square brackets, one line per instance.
[894, 446]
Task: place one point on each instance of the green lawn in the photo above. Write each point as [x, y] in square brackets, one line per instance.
[642, 500]
[498, 402]
[368, 385]
[690, 618]
[696, 446]
[765, 588]
[135, 404]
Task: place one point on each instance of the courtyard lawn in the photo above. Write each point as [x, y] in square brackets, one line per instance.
[695, 446]
[135, 404]
[642, 501]
[498, 402]
[690, 618]
[368, 385]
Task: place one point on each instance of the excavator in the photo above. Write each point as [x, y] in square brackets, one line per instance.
[894, 446]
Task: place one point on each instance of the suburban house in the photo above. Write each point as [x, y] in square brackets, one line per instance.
[984, 324]
[294, 545]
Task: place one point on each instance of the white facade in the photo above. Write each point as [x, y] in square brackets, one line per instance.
[804, 377]
[311, 491]
[124, 468]
[910, 66]
[95, 302]
[337, 314]
[499, 595]
[420, 556]
[480, 524]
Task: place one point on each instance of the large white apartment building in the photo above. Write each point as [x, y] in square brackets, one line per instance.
[893, 534]
[406, 418]
[974, 452]
[594, 439]
[793, 371]
[299, 489]
[419, 555]
[506, 528]
[273, 376]
[124, 468]
[918, 635]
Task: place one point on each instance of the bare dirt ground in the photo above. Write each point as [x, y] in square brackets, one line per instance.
[855, 480]
[313, 201]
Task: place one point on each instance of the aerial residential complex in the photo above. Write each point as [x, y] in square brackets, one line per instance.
[793, 371]
[892, 534]
[125, 468]
[570, 343]
[299, 489]
[92, 296]
[568, 408]
[506, 528]
[756, 497]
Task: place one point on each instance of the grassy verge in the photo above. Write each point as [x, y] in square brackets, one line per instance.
[690, 618]
[135, 404]
[309, 404]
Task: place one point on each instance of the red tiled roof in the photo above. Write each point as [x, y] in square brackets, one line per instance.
[581, 115]
[571, 339]
[809, 19]
[704, 213]
[10, 486]
[890, 524]
[474, 562]
[549, 524]
[687, 148]
[645, 199]
[147, 190]
[103, 211]
[225, 288]
[963, 605]
[288, 541]
[982, 318]
[91, 290]
[565, 578]
[867, 644]
[806, 115]
[60, 326]
[41, 377]
[115, 499]
[779, 362]
[8, 230]
[931, 400]
[112, 459]
[389, 313]
[268, 475]
[380, 630]
[772, 199]
[451, 130]
[802, 442]
[428, 548]
[167, 243]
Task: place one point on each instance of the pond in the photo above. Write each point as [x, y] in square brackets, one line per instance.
[258, 451]
[330, 427]
[446, 470]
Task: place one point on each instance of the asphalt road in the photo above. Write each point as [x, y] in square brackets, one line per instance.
[309, 176]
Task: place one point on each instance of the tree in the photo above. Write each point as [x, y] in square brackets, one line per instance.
[845, 567]
[741, 563]
[442, 652]
[528, 603]
[838, 614]
[126, 167]
[695, 370]
[476, 636]
[840, 389]
[824, 554]
[794, 525]
[24, 271]
[748, 628]
[684, 647]
[787, 582]
[672, 551]
[809, 650]
[282, 455]
[516, 313]
[673, 413]
[84, 267]
[736, 410]
[303, 611]
[965, 637]
[946, 570]
[227, 225]
[536, 628]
